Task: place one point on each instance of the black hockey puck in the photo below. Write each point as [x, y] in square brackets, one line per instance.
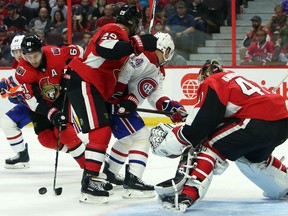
[42, 190]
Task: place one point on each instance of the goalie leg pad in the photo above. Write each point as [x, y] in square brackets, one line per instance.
[204, 165]
[270, 176]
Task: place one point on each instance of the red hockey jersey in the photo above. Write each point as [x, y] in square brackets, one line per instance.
[240, 97]
[96, 70]
[44, 82]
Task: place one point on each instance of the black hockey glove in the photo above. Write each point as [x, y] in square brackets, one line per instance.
[58, 119]
[128, 105]
[141, 43]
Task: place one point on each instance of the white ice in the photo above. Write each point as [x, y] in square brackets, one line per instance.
[229, 194]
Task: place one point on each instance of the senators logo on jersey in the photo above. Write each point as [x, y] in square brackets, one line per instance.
[49, 91]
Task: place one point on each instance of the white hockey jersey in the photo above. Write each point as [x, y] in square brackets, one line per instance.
[144, 77]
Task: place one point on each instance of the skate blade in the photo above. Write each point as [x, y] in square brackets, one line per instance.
[132, 194]
[21, 165]
[87, 198]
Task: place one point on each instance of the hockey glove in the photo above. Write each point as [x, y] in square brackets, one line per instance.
[118, 92]
[179, 113]
[57, 118]
[128, 105]
[143, 43]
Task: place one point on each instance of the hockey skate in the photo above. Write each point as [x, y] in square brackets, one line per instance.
[114, 179]
[94, 189]
[19, 161]
[135, 187]
[179, 202]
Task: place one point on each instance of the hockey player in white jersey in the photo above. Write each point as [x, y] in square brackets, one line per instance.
[16, 118]
[143, 78]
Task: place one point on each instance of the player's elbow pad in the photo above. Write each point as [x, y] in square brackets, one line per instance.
[121, 49]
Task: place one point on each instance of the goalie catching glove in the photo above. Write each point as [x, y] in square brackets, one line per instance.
[165, 140]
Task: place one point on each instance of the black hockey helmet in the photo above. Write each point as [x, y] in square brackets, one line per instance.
[31, 43]
[208, 68]
[129, 16]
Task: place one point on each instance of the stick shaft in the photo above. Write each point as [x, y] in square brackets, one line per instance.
[153, 111]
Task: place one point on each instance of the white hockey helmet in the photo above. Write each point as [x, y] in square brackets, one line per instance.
[16, 43]
[164, 42]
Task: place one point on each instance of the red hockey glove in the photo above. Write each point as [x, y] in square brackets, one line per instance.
[128, 105]
[118, 92]
[143, 43]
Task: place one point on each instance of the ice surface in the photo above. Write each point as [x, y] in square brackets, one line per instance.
[229, 194]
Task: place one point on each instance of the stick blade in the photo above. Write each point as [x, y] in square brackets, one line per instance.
[58, 191]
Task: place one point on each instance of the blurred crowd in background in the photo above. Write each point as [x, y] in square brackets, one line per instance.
[190, 23]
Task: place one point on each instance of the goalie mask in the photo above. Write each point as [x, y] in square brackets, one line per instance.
[210, 67]
[164, 43]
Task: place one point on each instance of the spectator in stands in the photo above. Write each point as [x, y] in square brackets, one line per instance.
[157, 26]
[260, 52]
[15, 22]
[33, 4]
[107, 18]
[60, 5]
[24, 11]
[86, 38]
[199, 11]
[227, 9]
[43, 37]
[44, 3]
[41, 23]
[59, 22]
[85, 10]
[181, 26]
[277, 21]
[285, 6]
[80, 23]
[177, 60]
[281, 46]
[99, 10]
[64, 41]
[251, 35]
[169, 10]
[5, 55]
[3, 11]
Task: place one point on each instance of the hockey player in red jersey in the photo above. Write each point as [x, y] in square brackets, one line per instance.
[235, 120]
[40, 73]
[142, 78]
[92, 84]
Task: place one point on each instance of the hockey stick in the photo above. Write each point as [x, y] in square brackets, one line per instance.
[152, 14]
[276, 87]
[58, 191]
[154, 111]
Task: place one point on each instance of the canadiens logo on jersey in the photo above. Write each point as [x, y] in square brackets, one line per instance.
[146, 86]
[20, 71]
[49, 90]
